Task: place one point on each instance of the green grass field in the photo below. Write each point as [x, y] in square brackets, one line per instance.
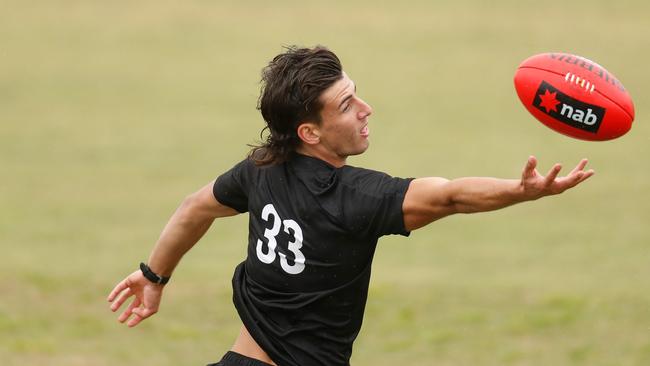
[112, 111]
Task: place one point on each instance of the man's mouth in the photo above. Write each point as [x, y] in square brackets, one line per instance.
[365, 131]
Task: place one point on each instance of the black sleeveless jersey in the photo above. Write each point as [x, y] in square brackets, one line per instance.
[313, 228]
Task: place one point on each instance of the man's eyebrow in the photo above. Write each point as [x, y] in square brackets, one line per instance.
[347, 97]
[344, 100]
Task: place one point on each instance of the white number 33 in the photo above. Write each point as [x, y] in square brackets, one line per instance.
[270, 234]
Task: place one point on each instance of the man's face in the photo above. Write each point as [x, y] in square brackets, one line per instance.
[344, 120]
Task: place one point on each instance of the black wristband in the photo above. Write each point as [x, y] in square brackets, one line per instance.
[151, 276]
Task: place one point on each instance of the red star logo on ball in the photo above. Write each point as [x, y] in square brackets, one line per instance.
[548, 101]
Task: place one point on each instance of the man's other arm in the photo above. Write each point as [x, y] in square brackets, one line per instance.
[430, 199]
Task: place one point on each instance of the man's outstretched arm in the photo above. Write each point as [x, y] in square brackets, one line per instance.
[430, 199]
[186, 226]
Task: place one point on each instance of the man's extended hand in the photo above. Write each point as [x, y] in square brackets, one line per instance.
[535, 186]
[146, 302]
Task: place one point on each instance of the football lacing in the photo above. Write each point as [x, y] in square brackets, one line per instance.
[583, 83]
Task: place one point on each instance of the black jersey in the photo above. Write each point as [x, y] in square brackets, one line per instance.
[313, 228]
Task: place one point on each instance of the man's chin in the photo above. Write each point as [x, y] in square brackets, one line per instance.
[361, 149]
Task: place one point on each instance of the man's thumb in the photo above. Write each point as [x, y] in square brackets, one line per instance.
[144, 312]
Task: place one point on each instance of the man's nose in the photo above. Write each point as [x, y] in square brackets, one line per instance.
[365, 110]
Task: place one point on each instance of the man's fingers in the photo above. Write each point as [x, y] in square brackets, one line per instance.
[574, 179]
[585, 175]
[129, 310]
[135, 320]
[140, 314]
[529, 169]
[581, 165]
[123, 296]
[121, 299]
[119, 288]
[145, 312]
[552, 174]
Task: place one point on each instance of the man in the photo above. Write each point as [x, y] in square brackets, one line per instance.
[314, 221]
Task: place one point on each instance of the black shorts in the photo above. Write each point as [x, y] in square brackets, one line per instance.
[235, 359]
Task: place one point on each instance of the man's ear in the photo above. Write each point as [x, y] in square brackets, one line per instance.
[309, 133]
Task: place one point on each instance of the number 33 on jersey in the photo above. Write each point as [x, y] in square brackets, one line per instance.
[290, 227]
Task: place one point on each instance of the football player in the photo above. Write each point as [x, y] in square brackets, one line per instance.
[314, 221]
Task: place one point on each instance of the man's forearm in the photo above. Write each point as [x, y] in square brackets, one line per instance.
[485, 194]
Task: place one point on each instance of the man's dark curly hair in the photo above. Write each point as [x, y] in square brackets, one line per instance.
[291, 86]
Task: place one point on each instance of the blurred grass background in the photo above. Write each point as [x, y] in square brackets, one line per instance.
[111, 112]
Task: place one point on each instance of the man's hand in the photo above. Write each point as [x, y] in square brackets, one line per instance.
[145, 304]
[536, 186]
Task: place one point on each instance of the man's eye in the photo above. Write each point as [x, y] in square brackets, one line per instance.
[346, 108]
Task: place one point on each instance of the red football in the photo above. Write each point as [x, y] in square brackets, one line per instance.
[574, 96]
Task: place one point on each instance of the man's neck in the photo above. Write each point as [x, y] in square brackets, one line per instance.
[328, 157]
